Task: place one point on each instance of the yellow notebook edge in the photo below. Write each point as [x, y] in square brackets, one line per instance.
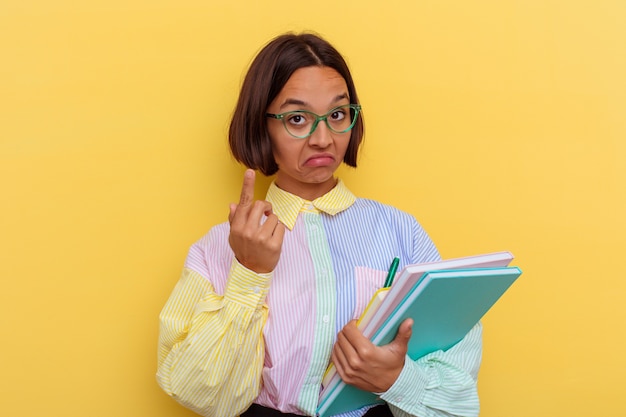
[367, 314]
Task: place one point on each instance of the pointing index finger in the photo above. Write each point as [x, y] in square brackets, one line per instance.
[247, 190]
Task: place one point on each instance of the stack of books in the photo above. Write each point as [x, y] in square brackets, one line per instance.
[445, 299]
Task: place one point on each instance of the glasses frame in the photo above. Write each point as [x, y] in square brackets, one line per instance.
[283, 117]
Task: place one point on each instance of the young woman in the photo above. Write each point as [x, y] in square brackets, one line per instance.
[268, 299]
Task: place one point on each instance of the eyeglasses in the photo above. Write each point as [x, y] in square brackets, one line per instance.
[302, 123]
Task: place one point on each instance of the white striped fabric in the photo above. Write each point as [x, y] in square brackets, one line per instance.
[335, 255]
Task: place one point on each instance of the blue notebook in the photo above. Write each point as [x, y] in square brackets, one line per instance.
[444, 306]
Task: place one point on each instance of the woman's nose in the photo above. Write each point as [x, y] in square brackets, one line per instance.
[321, 136]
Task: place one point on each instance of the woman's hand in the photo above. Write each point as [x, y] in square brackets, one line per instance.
[366, 366]
[256, 246]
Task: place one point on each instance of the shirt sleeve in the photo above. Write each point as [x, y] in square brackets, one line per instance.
[440, 383]
[211, 349]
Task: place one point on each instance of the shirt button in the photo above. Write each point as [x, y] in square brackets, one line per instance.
[326, 319]
[256, 290]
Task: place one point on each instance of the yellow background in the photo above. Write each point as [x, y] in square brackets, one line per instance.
[501, 125]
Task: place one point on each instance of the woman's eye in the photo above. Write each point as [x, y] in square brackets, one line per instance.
[338, 115]
[297, 119]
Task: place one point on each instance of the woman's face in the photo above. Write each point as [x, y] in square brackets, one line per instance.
[306, 166]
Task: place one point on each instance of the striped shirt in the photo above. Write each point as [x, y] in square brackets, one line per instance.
[230, 336]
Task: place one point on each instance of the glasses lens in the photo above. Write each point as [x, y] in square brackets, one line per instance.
[342, 118]
[298, 123]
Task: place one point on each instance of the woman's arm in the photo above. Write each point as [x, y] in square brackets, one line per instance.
[440, 383]
[211, 347]
[436, 385]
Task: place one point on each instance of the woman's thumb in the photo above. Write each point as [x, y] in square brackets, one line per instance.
[404, 334]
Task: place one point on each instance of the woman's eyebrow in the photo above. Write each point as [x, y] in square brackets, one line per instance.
[341, 97]
[292, 101]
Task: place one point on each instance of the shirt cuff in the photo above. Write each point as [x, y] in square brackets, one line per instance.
[408, 391]
[247, 287]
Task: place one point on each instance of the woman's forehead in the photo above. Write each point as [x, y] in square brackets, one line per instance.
[313, 86]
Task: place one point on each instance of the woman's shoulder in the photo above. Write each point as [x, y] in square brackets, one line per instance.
[376, 208]
[215, 235]
[404, 224]
[212, 247]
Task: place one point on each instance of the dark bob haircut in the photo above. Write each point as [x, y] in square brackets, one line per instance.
[248, 137]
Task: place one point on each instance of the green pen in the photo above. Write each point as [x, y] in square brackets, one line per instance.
[392, 272]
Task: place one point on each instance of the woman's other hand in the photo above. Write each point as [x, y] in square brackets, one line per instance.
[256, 246]
[366, 366]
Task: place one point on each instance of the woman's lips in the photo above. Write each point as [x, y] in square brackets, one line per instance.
[320, 160]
